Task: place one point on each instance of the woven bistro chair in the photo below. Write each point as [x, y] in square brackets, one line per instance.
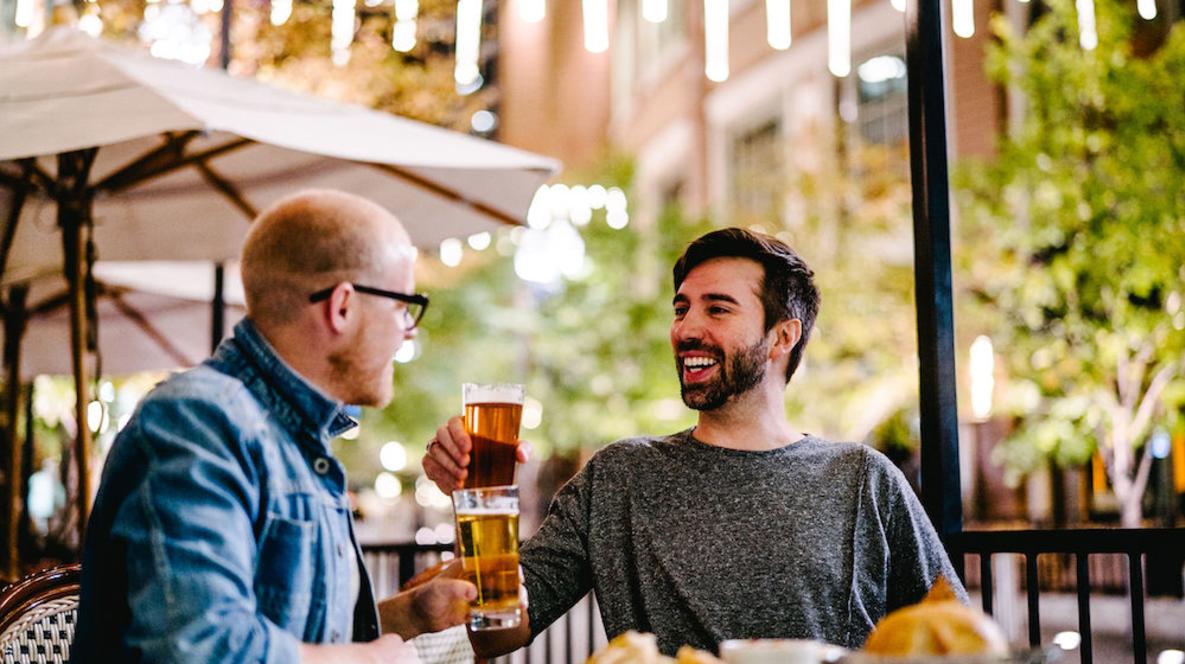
[37, 616]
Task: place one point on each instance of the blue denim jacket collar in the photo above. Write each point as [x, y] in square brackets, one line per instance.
[295, 401]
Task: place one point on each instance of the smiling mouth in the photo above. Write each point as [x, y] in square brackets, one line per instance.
[696, 369]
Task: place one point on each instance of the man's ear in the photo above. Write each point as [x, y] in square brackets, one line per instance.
[786, 335]
[336, 309]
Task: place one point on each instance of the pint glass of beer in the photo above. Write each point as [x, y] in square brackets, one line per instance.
[492, 415]
[487, 535]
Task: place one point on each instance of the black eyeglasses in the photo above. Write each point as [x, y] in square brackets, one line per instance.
[416, 303]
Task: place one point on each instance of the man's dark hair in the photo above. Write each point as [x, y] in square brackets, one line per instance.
[787, 289]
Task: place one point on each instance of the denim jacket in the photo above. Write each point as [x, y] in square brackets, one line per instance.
[222, 531]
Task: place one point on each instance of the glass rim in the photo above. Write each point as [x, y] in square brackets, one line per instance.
[503, 489]
[515, 393]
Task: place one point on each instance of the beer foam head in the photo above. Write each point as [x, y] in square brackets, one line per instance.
[492, 393]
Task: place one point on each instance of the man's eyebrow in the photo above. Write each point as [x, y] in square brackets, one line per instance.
[711, 297]
[721, 297]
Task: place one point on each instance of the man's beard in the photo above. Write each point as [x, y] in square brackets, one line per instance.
[355, 376]
[739, 374]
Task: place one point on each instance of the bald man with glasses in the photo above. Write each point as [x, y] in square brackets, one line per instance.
[222, 530]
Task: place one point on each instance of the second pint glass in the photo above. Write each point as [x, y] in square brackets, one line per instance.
[492, 416]
[487, 535]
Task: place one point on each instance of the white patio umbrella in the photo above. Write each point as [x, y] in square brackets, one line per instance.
[108, 153]
[151, 316]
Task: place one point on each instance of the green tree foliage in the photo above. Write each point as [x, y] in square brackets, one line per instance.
[602, 353]
[297, 55]
[854, 230]
[1078, 241]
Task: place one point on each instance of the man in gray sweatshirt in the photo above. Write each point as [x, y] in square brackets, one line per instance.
[741, 527]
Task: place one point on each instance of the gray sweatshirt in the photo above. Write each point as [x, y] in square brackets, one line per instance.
[699, 544]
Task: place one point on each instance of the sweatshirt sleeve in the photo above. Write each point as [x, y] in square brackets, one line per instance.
[916, 555]
[555, 560]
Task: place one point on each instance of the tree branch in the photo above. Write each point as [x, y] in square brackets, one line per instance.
[1122, 380]
[1151, 400]
[1141, 480]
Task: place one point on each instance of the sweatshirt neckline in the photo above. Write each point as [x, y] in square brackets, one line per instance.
[692, 442]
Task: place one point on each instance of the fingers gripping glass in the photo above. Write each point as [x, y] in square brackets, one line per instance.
[416, 303]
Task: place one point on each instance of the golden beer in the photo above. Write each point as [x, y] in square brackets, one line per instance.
[492, 417]
[487, 535]
[493, 428]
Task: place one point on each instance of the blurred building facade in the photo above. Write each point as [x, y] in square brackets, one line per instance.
[709, 145]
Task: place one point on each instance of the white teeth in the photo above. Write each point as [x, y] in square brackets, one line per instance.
[698, 362]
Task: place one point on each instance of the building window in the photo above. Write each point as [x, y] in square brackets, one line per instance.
[656, 41]
[882, 101]
[756, 175]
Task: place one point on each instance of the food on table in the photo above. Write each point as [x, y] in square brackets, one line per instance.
[638, 648]
[939, 625]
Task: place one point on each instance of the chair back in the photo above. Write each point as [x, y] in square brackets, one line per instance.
[37, 616]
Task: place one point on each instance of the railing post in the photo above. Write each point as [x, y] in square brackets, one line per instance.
[1033, 589]
[1136, 591]
[941, 495]
[985, 580]
[1082, 562]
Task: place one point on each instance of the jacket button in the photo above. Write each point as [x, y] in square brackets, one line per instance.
[336, 636]
[341, 550]
[321, 465]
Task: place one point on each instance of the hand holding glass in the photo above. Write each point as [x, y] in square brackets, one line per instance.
[492, 416]
[487, 533]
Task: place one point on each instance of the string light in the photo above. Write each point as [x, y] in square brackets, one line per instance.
[1147, 9]
[777, 21]
[451, 252]
[24, 13]
[403, 33]
[962, 17]
[716, 40]
[839, 37]
[91, 22]
[468, 42]
[281, 11]
[1088, 37]
[532, 11]
[342, 31]
[596, 26]
[899, 5]
[654, 11]
[983, 382]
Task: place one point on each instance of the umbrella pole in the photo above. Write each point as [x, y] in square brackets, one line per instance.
[74, 212]
[218, 307]
[15, 318]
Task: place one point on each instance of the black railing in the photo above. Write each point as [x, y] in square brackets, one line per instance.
[1135, 544]
[579, 633]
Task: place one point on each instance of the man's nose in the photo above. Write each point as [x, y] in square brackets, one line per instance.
[689, 327]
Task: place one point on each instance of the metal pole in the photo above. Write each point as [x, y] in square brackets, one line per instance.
[218, 306]
[932, 268]
[224, 34]
[74, 210]
[14, 329]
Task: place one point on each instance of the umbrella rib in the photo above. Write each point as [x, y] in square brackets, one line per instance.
[44, 181]
[445, 192]
[132, 179]
[149, 329]
[227, 189]
[49, 304]
[20, 191]
[174, 143]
